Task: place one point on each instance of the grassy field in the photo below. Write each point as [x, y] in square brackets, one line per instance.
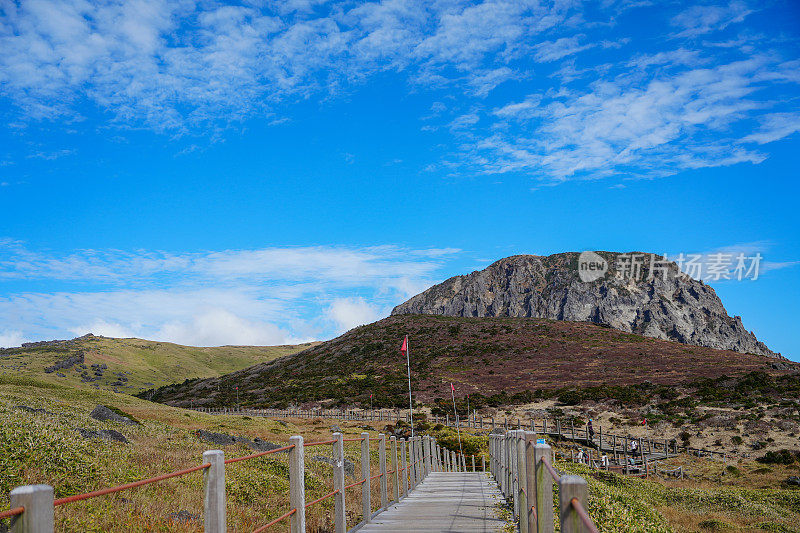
[46, 447]
[131, 365]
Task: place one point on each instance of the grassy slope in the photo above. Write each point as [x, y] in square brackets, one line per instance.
[46, 448]
[144, 363]
[479, 355]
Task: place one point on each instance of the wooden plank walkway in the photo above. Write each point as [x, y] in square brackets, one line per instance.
[445, 502]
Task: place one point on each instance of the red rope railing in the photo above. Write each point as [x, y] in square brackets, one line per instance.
[583, 515]
[319, 443]
[356, 483]
[282, 517]
[259, 454]
[12, 512]
[552, 470]
[320, 499]
[103, 492]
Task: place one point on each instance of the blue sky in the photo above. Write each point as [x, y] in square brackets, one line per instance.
[269, 172]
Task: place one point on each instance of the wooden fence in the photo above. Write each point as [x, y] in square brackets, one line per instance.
[33, 506]
[525, 474]
[622, 449]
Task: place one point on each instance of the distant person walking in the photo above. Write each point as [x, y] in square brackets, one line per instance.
[634, 446]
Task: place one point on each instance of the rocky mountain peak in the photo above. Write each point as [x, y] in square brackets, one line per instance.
[633, 292]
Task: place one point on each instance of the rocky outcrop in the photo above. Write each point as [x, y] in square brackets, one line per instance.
[66, 363]
[653, 299]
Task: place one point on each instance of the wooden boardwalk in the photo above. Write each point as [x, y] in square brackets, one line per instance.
[445, 502]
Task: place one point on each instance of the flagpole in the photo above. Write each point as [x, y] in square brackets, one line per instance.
[458, 429]
[410, 401]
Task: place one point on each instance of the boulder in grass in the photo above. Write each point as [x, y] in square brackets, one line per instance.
[223, 439]
[105, 414]
[349, 467]
[107, 434]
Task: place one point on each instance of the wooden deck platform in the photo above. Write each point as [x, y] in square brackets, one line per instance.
[445, 502]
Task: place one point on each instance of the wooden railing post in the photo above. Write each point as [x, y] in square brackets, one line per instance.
[544, 489]
[422, 466]
[503, 463]
[396, 484]
[340, 516]
[509, 472]
[522, 476]
[384, 481]
[412, 459]
[625, 449]
[424, 441]
[529, 515]
[568, 488]
[214, 487]
[297, 484]
[493, 456]
[431, 457]
[39, 516]
[404, 462]
[366, 505]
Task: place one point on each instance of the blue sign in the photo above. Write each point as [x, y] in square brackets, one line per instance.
[540, 441]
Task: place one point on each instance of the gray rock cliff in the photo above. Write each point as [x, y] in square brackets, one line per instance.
[665, 305]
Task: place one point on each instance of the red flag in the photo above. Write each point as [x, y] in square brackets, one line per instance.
[452, 388]
[404, 347]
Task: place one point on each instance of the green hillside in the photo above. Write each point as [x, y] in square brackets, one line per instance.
[42, 440]
[130, 365]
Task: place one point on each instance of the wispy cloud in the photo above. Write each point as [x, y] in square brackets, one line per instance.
[265, 296]
[638, 125]
[560, 48]
[702, 19]
[701, 96]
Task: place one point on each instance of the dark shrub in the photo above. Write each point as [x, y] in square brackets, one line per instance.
[782, 457]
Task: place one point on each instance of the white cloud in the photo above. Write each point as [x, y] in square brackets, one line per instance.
[702, 19]
[267, 296]
[218, 327]
[560, 48]
[193, 68]
[11, 338]
[348, 313]
[775, 127]
[753, 255]
[340, 265]
[104, 328]
[632, 125]
[172, 65]
[768, 266]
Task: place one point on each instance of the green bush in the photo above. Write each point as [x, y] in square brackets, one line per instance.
[782, 457]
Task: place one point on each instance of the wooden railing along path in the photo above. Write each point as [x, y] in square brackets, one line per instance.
[524, 471]
[33, 506]
[619, 448]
